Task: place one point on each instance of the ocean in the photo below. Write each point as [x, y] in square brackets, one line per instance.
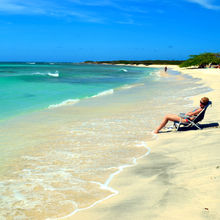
[67, 129]
[29, 87]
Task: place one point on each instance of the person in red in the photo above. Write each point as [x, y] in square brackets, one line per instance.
[171, 117]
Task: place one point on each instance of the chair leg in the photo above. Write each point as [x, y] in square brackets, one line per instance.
[196, 126]
[191, 123]
[177, 126]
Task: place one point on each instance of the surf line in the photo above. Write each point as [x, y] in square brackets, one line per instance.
[107, 182]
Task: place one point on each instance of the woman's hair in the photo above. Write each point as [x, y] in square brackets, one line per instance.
[205, 100]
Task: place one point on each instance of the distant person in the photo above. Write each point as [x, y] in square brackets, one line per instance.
[165, 68]
[171, 117]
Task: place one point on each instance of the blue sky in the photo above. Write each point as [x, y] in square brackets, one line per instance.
[79, 30]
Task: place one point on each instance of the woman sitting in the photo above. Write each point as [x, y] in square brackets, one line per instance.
[171, 117]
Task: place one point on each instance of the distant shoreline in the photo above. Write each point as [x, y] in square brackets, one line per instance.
[137, 62]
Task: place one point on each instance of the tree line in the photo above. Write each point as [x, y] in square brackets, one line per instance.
[137, 62]
[200, 61]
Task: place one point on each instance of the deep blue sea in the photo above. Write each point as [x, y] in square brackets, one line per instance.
[26, 87]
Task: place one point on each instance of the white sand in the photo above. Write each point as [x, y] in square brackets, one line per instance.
[179, 180]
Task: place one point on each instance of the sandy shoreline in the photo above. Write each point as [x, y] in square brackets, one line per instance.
[180, 179]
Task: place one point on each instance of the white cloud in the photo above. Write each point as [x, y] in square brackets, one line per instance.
[209, 4]
[10, 6]
[118, 11]
[22, 7]
[94, 2]
[47, 8]
[84, 10]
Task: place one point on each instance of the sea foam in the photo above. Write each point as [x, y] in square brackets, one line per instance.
[74, 101]
[65, 103]
[131, 86]
[56, 74]
[106, 92]
[105, 185]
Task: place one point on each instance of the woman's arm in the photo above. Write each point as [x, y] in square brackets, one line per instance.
[196, 112]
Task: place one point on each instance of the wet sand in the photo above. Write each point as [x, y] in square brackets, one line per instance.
[179, 179]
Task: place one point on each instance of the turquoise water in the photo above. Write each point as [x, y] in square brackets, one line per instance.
[27, 87]
[58, 161]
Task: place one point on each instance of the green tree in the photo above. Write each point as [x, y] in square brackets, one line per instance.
[202, 60]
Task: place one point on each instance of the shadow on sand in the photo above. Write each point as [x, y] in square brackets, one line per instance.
[202, 126]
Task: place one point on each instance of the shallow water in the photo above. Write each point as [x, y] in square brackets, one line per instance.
[56, 161]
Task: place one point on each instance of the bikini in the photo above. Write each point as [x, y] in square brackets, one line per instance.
[187, 121]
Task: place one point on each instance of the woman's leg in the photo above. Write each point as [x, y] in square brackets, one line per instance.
[169, 117]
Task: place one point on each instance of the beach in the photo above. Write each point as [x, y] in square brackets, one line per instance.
[90, 153]
[85, 89]
[179, 178]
